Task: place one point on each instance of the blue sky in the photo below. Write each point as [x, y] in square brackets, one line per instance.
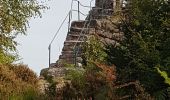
[33, 48]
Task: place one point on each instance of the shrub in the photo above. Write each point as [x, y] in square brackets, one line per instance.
[9, 82]
[24, 73]
[18, 82]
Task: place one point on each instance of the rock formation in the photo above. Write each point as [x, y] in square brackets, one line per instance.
[97, 23]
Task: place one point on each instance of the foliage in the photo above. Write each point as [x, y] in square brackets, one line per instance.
[9, 81]
[139, 92]
[146, 45]
[14, 86]
[164, 75]
[94, 80]
[6, 57]
[47, 77]
[77, 78]
[94, 49]
[14, 17]
[28, 94]
[15, 14]
[97, 80]
[52, 90]
[17, 82]
[24, 73]
[101, 80]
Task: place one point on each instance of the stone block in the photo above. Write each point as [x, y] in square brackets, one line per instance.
[79, 24]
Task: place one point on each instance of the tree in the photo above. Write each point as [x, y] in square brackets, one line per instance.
[14, 17]
[146, 45]
[17, 82]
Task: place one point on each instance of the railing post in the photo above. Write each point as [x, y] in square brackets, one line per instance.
[90, 17]
[49, 49]
[71, 8]
[69, 21]
[75, 56]
[78, 10]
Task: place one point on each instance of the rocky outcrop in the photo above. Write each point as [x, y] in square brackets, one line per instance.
[108, 32]
[100, 22]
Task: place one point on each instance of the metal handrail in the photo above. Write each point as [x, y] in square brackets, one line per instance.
[76, 53]
[82, 4]
[80, 12]
[49, 47]
[84, 24]
[70, 18]
[81, 33]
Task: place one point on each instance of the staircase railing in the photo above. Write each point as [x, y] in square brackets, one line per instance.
[123, 3]
[69, 16]
[49, 47]
[76, 51]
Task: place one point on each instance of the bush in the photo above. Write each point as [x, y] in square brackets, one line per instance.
[9, 82]
[24, 73]
[18, 82]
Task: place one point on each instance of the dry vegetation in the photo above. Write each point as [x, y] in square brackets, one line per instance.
[17, 82]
